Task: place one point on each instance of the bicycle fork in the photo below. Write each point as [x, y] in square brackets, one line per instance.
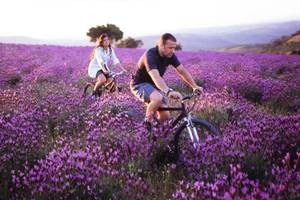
[192, 131]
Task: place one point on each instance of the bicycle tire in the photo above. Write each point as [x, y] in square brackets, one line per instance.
[171, 154]
[204, 128]
[88, 90]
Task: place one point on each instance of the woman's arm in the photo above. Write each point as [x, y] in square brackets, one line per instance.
[119, 65]
[99, 57]
[116, 61]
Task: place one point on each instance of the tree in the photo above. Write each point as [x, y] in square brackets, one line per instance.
[130, 43]
[112, 30]
[178, 47]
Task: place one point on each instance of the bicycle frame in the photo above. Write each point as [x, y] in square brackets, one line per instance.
[188, 123]
[111, 85]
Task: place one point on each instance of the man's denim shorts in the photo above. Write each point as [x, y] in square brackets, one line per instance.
[143, 91]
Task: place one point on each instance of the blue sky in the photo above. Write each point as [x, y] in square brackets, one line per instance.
[53, 19]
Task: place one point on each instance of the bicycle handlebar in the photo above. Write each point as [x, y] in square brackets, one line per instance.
[187, 97]
[184, 99]
[115, 74]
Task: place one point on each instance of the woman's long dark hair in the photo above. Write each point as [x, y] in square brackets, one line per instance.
[101, 38]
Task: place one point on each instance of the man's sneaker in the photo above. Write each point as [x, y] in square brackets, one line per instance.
[148, 126]
[119, 89]
[94, 95]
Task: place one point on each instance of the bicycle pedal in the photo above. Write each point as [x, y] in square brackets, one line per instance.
[148, 126]
[154, 138]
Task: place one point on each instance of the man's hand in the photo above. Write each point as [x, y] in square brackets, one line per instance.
[198, 90]
[175, 95]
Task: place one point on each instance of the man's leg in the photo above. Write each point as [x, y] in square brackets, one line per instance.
[156, 101]
[163, 115]
[151, 97]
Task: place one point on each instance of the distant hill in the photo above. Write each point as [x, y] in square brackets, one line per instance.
[214, 38]
[222, 37]
[29, 40]
[255, 48]
[283, 45]
[20, 40]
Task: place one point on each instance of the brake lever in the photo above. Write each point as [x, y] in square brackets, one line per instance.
[193, 98]
[197, 92]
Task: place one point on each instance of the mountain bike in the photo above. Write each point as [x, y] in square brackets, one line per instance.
[110, 86]
[186, 129]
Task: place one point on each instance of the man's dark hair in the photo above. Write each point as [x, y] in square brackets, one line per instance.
[165, 37]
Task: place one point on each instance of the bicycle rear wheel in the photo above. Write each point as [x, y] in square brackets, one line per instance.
[89, 88]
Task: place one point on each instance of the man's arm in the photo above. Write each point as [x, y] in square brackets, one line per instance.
[186, 76]
[161, 84]
[158, 80]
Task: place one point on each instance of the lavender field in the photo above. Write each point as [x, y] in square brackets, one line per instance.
[56, 144]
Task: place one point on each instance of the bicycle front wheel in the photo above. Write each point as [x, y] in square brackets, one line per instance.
[197, 132]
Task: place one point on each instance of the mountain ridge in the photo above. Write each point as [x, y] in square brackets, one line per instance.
[214, 38]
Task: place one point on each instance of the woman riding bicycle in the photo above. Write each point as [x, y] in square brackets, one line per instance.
[103, 57]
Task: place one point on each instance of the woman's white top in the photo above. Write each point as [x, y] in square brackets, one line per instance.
[102, 57]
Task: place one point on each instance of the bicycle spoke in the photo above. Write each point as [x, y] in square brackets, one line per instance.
[200, 133]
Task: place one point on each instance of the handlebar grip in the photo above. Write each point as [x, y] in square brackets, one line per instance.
[187, 97]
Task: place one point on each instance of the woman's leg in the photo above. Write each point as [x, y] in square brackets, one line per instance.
[100, 80]
[110, 84]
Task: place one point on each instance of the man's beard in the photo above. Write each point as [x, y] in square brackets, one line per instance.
[170, 55]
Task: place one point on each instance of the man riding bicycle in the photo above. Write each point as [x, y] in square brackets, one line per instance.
[147, 83]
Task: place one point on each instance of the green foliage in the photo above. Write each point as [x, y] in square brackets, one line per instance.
[110, 188]
[45, 79]
[14, 79]
[112, 30]
[281, 105]
[284, 45]
[255, 166]
[130, 43]
[163, 182]
[178, 47]
[216, 115]
[251, 93]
